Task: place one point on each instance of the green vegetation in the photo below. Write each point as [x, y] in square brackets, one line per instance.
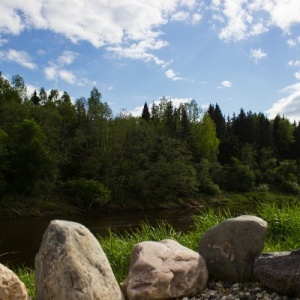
[26, 275]
[283, 233]
[80, 154]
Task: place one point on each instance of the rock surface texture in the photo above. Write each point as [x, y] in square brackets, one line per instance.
[279, 271]
[11, 288]
[164, 270]
[71, 265]
[230, 247]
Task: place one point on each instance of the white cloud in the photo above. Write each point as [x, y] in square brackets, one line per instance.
[297, 75]
[30, 89]
[288, 106]
[67, 58]
[237, 21]
[56, 70]
[285, 14]
[294, 63]
[3, 41]
[101, 23]
[241, 19]
[180, 16]
[127, 28]
[172, 75]
[140, 51]
[20, 57]
[257, 54]
[196, 18]
[191, 4]
[67, 76]
[51, 72]
[41, 52]
[226, 84]
[177, 101]
[293, 42]
[55, 73]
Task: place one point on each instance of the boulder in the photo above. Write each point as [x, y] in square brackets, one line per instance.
[11, 288]
[279, 271]
[164, 270]
[71, 265]
[230, 247]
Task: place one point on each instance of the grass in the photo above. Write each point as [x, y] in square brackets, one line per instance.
[283, 219]
[26, 275]
[283, 225]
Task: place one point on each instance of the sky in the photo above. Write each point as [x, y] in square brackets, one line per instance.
[237, 53]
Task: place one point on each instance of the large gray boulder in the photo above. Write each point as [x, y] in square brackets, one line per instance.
[71, 265]
[164, 270]
[11, 288]
[230, 248]
[279, 271]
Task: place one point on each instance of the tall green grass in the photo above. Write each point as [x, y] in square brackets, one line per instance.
[26, 275]
[283, 225]
[118, 247]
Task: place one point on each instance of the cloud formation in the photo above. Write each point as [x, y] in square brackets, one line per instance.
[288, 106]
[130, 28]
[257, 54]
[172, 75]
[20, 57]
[56, 70]
[226, 84]
[242, 19]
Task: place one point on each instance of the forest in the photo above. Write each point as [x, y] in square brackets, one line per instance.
[81, 153]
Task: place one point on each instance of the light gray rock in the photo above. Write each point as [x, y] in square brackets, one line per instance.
[11, 288]
[71, 265]
[230, 248]
[279, 271]
[164, 270]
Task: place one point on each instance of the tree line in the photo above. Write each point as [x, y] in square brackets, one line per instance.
[81, 153]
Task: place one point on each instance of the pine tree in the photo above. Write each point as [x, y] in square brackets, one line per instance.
[146, 113]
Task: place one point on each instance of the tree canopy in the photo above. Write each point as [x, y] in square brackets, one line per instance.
[51, 145]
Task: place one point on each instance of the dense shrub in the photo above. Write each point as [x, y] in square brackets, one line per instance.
[86, 192]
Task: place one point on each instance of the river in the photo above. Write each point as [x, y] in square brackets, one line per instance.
[20, 238]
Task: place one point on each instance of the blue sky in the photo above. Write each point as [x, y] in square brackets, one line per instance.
[239, 54]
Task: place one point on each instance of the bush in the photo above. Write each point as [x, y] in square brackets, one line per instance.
[210, 188]
[264, 188]
[86, 192]
[239, 177]
[290, 187]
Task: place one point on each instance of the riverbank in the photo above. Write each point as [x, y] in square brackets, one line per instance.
[37, 207]
[283, 234]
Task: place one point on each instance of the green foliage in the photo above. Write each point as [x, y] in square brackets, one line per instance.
[206, 171]
[31, 161]
[170, 153]
[26, 275]
[5, 160]
[291, 187]
[86, 192]
[239, 177]
[204, 138]
[283, 225]
[170, 174]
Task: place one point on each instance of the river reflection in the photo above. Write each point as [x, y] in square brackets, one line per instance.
[20, 239]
